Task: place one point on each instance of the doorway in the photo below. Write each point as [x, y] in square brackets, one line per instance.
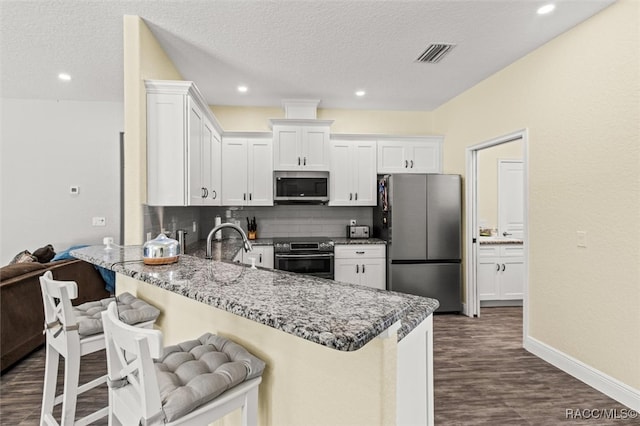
[472, 221]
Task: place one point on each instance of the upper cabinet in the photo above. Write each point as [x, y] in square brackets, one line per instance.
[247, 172]
[183, 146]
[353, 173]
[300, 144]
[410, 155]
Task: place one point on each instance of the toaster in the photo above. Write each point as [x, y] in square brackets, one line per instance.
[357, 231]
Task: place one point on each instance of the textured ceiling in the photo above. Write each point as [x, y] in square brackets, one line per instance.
[280, 49]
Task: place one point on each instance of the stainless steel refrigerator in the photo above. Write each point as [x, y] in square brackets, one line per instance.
[420, 217]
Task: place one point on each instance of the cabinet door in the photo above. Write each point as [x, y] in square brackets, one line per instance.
[314, 148]
[511, 279]
[263, 256]
[286, 148]
[373, 273]
[195, 124]
[234, 172]
[215, 193]
[425, 158]
[166, 126]
[260, 172]
[487, 279]
[205, 162]
[340, 191]
[392, 157]
[344, 270]
[364, 173]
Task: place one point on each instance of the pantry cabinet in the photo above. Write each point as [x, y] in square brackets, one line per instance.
[353, 173]
[301, 144]
[362, 264]
[500, 272]
[183, 146]
[410, 155]
[247, 172]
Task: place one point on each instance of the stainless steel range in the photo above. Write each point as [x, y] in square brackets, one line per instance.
[304, 255]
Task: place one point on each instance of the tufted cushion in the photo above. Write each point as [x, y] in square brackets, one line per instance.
[193, 373]
[130, 310]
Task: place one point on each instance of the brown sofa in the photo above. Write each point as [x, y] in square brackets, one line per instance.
[21, 310]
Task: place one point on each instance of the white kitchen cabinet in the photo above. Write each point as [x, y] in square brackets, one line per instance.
[263, 256]
[183, 155]
[353, 173]
[247, 172]
[500, 272]
[301, 144]
[410, 155]
[363, 264]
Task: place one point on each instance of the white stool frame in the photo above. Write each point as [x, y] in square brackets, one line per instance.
[134, 396]
[62, 338]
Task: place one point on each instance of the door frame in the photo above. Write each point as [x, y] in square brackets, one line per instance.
[472, 307]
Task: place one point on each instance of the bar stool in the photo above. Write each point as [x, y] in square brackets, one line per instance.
[192, 383]
[75, 331]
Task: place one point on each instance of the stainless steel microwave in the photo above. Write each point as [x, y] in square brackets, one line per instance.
[301, 187]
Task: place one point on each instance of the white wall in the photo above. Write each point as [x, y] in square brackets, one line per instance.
[48, 146]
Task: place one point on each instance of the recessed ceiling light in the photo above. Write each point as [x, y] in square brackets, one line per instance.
[64, 76]
[361, 93]
[547, 8]
[243, 89]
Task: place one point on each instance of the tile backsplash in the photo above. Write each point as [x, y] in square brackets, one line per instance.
[276, 221]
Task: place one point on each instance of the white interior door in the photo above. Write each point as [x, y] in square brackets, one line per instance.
[510, 199]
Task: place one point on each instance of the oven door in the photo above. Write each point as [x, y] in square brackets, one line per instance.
[316, 264]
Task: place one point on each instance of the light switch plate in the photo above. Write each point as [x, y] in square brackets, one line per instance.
[582, 238]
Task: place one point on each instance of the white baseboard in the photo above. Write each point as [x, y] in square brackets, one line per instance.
[598, 380]
[464, 309]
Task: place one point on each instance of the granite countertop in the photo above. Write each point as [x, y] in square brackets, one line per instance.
[499, 241]
[344, 240]
[337, 315]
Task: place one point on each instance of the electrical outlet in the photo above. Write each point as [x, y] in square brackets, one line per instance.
[99, 221]
[352, 222]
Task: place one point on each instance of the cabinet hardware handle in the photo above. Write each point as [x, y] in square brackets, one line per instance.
[412, 164]
[249, 196]
[359, 252]
[350, 196]
[298, 161]
[363, 269]
[215, 194]
[244, 197]
[206, 191]
[406, 164]
[498, 267]
[506, 234]
[357, 269]
[356, 196]
[201, 192]
[305, 161]
[503, 267]
[260, 257]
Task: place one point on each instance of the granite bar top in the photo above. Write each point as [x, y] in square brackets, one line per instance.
[337, 315]
[499, 241]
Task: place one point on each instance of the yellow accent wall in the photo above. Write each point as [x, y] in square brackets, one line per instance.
[579, 97]
[143, 59]
[487, 183]
[253, 119]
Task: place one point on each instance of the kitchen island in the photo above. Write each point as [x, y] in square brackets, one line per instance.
[334, 353]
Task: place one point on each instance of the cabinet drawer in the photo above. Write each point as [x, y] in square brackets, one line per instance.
[360, 251]
[512, 251]
[489, 251]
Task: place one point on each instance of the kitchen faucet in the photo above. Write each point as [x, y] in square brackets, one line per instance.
[246, 243]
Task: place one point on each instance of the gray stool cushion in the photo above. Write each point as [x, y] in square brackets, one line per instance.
[193, 373]
[130, 309]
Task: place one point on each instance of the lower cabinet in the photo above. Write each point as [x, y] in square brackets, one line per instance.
[500, 272]
[363, 264]
[263, 256]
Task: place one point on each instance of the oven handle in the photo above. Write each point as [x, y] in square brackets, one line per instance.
[303, 255]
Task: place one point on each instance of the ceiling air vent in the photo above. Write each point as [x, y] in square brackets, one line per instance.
[435, 52]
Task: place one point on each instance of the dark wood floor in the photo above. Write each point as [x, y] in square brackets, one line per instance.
[482, 377]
